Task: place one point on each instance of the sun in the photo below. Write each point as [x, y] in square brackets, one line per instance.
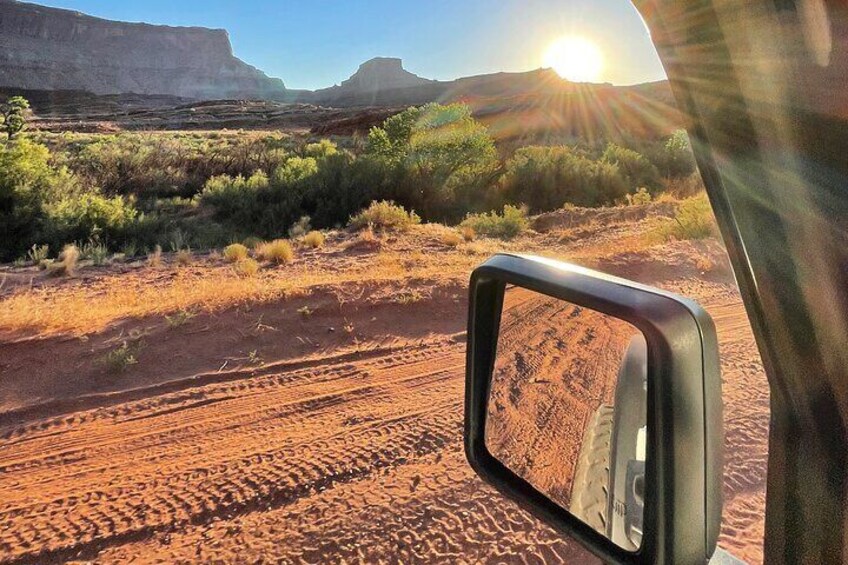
[575, 59]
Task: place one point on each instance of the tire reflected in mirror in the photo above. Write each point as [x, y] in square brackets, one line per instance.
[567, 410]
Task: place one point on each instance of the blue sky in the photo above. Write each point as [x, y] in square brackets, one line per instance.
[318, 43]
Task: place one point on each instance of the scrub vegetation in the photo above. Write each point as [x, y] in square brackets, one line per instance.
[130, 192]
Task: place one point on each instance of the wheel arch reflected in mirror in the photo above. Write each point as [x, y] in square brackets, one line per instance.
[668, 493]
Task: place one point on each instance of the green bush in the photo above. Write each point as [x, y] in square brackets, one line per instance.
[269, 206]
[507, 225]
[545, 178]
[88, 215]
[694, 220]
[636, 170]
[386, 215]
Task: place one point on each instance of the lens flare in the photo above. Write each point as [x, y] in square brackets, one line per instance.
[575, 59]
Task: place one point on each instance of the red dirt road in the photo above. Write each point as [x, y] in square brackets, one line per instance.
[350, 455]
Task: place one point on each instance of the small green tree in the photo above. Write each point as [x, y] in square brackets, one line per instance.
[444, 159]
[13, 115]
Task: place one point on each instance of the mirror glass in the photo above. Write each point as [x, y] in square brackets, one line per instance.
[567, 410]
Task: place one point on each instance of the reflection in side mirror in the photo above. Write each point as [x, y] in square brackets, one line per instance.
[595, 403]
[567, 410]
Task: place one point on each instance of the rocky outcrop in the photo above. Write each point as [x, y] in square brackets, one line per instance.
[382, 73]
[52, 49]
[376, 80]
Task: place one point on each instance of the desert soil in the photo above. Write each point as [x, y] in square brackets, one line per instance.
[556, 365]
[311, 427]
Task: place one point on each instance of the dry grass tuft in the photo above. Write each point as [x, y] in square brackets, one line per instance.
[67, 264]
[368, 236]
[278, 251]
[155, 259]
[246, 268]
[184, 258]
[235, 253]
[314, 239]
[452, 238]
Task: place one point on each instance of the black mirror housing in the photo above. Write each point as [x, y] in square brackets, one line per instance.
[682, 513]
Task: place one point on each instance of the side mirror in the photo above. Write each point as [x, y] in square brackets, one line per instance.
[595, 403]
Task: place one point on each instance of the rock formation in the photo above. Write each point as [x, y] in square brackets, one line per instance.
[377, 79]
[52, 49]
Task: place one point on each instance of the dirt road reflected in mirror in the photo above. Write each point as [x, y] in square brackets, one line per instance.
[556, 418]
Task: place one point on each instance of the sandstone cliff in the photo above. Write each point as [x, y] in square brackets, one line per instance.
[52, 49]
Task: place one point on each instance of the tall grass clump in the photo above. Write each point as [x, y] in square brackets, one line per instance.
[278, 251]
[235, 253]
[246, 268]
[314, 239]
[506, 225]
[386, 215]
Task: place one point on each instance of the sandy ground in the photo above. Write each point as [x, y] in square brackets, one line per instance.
[556, 365]
[309, 428]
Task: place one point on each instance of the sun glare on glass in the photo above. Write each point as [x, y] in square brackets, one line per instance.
[575, 59]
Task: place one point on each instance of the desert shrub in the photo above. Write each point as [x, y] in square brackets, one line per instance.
[344, 185]
[545, 178]
[443, 161]
[314, 239]
[278, 251]
[180, 318]
[268, 205]
[88, 215]
[694, 220]
[246, 268]
[386, 215]
[320, 150]
[640, 197]
[95, 251]
[122, 357]
[674, 157]
[38, 253]
[506, 225]
[684, 187]
[163, 165]
[129, 250]
[235, 252]
[27, 181]
[300, 228]
[634, 167]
